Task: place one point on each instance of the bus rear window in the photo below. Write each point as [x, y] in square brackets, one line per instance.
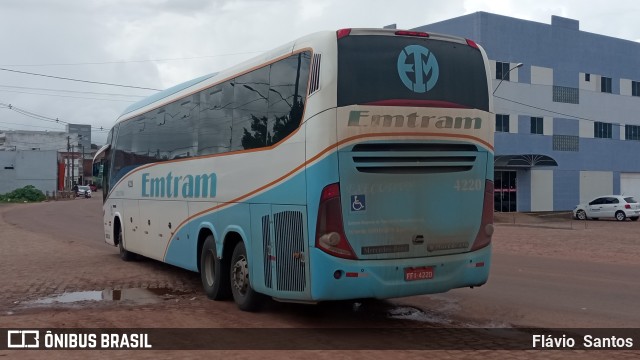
[383, 68]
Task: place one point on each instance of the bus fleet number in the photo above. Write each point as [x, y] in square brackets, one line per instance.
[468, 185]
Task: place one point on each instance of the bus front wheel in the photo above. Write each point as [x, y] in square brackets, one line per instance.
[215, 276]
[245, 297]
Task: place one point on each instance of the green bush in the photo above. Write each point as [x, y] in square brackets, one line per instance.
[26, 194]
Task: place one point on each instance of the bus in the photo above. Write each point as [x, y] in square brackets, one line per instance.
[347, 164]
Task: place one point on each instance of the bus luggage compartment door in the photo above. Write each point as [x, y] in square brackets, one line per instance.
[280, 250]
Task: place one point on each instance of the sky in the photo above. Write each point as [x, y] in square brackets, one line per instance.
[156, 44]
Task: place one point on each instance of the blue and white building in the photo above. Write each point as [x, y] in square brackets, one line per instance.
[568, 119]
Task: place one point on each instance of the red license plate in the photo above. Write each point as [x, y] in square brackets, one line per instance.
[418, 273]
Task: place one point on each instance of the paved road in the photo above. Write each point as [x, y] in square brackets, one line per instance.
[524, 289]
[541, 277]
[534, 291]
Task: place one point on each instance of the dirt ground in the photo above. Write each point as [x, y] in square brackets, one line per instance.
[54, 248]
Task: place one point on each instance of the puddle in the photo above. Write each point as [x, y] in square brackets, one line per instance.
[415, 314]
[439, 317]
[137, 296]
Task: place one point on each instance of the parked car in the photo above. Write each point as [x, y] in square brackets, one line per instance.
[618, 207]
[82, 189]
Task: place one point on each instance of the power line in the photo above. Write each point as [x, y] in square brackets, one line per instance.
[67, 96]
[135, 61]
[84, 81]
[42, 117]
[35, 126]
[72, 91]
[547, 110]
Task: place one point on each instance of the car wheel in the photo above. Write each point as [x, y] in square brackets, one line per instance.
[581, 215]
[124, 254]
[243, 294]
[634, 218]
[620, 215]
[214, 275]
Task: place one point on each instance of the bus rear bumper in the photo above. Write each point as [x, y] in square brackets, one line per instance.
[340, 279]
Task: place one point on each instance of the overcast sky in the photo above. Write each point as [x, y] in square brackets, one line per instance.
[160, 43]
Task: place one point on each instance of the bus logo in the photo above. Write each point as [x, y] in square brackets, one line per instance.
[423, 64]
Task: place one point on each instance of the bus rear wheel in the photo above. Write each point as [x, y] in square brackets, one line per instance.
[214, 276]
[245, 297]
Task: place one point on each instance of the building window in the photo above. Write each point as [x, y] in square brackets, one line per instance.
[587, 77]
[502, 69]
[602, 130]
[536, 125]
[605, 85]
[632, 132]
[635, 88]
[566, 143]
[502, 123]
[565, 94]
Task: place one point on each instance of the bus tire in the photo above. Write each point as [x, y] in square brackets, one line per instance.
[245, 297]
[214, 276]
[124, 254]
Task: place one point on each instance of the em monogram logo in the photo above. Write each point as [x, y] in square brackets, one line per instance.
[423, 64]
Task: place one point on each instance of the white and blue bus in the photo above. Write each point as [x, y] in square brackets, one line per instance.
[343, 165]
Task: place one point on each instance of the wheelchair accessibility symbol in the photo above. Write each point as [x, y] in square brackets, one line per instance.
[358, 203]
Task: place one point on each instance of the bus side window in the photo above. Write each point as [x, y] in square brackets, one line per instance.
[214, 122]
[287, 91]
[249, 128]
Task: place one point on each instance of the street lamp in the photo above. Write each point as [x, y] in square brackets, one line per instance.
[504, 75]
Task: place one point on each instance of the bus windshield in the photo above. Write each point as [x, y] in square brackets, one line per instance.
[378, 68]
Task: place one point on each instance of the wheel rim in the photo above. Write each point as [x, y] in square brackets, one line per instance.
[209, 269]
[581, 215]
[620, 216]
[241, 275]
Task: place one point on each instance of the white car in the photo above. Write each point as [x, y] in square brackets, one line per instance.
[82, 189]
[610, 206]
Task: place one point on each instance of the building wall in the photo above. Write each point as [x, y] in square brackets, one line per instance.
[560, 55]
[83, 134]
[35, 140]
[21, 168]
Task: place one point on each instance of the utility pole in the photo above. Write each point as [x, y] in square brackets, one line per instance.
[82, 162]
[73, 163]
[68, 183]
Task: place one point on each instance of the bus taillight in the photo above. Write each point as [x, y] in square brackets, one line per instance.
[343, 33]
[330, 236]
[483, 238]
[472, 44]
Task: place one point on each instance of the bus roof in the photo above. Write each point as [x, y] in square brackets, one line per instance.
[165, 93]
[206, 80]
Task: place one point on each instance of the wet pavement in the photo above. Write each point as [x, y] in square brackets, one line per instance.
[132, 296]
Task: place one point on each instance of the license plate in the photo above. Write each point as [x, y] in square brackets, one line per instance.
[418, 273]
